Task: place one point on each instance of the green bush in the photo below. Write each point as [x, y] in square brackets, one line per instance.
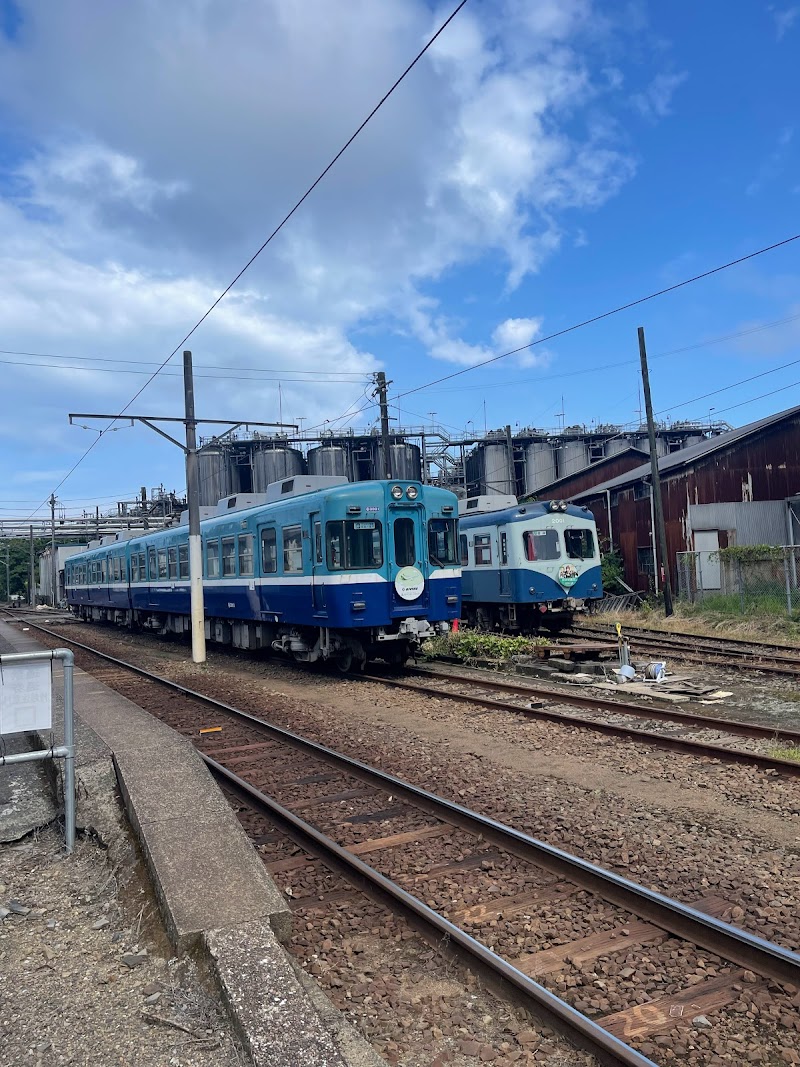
[466, 645]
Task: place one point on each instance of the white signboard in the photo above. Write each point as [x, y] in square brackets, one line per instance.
[26, 698]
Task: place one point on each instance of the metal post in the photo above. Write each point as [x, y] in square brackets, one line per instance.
[193, 501]
[382, 384]
[741, 585]
[32, 568]
[8, 573]
[610, 524]
[54, 583]
[511, 472]
[658, 504]
[788, 582]
[69, 744]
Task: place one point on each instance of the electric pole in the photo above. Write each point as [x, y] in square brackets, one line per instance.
[381, 387]
[32, 568]
[193, 500]
[658, 505]
[54, 585]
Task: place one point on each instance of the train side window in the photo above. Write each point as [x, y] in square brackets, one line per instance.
[228, 557]
[103, 571]
[503, 549]
[269, 552]
[117, 572]
[162, 563]
[335, 544]
[183, 561]
[318, 542]
[172, 561]
[483, 550]
[405, 550]
[134, 568]
[541, 545]
[579, 543]
[464, 551]
[152, 573]
[246, 555]
[292, 550]
[142, 568]
[212, 559]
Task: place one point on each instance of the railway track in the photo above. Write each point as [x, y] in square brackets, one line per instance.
[727, 652]
[488, 888]
[615, 718]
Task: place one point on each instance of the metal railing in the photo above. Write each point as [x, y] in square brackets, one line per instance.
[20, 710]
[762, 580]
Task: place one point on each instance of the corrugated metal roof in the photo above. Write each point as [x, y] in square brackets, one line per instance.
[686, 456]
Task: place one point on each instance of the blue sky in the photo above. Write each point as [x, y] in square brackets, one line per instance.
[546, 162]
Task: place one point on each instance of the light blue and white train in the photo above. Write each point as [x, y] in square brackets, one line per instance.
[526, 566]
[318, 568]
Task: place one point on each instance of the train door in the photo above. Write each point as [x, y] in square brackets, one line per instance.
[502, 555]
[317, 570]
[408, 562]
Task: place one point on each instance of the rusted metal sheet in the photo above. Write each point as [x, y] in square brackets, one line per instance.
[764, 466]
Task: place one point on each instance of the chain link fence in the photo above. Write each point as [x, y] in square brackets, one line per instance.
[762, 580]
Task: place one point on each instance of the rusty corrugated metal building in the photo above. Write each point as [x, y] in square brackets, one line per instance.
[756, 467]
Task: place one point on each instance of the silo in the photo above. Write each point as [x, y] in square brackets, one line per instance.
[540, 465]
[572, 456]
[498, 475]
[328, 460]
[215, 479]
[275, 464]
[405, 462]
[614, 445]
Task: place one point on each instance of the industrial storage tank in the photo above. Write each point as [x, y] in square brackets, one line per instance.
[275, 464]
[328, 460]
[540, 465]
[215, 477]
[614, 445]
[405, 462]
[498, 475]
[572, 456]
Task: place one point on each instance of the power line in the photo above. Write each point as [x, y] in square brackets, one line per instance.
[152, 363]
[595, 318]
[172, 374]
[274, 234]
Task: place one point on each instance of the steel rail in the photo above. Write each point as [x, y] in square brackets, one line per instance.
[687, 718]
[628, 733]
[711, 639]
[438, 930]
[734, 944]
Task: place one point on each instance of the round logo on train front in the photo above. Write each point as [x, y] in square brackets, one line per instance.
[568, 575]
[409, 583]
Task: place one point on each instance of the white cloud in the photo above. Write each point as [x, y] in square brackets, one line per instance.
[655, 101]
[516, 333]
[784, 19]
[164, 141]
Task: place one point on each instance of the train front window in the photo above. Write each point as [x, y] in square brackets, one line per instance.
[405, 549]
[354, 545]
[579, 544]
[541, 545]
[442, 542]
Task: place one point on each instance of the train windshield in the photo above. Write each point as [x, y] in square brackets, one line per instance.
[579, 544]
[442, 542]
[354, 545]
[541, 545]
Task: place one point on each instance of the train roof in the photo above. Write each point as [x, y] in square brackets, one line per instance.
[521, 513]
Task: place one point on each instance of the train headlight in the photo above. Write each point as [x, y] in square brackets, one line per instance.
[397, 492]
[562, 505]
[554, 505]
[412, 492]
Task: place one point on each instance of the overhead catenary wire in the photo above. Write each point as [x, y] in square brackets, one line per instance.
[431, 40]
[203, 366]
[172, 374]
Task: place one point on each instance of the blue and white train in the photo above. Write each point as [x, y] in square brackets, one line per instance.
[318, 568]
[526, 566]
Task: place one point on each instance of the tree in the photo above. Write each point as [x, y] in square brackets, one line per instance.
[19, 563]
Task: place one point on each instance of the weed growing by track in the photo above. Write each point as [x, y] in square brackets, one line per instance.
[791, 752]
[467, 645]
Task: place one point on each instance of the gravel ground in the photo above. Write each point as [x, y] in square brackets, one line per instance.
[685, 826]
[86, 975]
